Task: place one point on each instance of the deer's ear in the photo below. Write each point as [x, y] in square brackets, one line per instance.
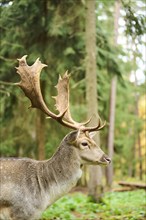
[92, 134]
[72, 137]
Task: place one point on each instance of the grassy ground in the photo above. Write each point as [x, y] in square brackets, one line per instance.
[116, 205]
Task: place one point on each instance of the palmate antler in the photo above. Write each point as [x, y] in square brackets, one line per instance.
[30, 84]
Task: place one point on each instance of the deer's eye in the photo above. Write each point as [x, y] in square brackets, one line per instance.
[85, 144]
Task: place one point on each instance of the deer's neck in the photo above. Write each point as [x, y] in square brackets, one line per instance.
[62, 172]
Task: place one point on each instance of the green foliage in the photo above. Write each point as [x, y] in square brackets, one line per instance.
[45, 29]
[116, 205]
[107, 54]
[135, 24]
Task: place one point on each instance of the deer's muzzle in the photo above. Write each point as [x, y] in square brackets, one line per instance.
[105, 160]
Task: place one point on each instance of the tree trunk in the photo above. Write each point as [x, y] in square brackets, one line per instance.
[40, 130]
[140, 158]
[41, 118]
[110, 144]
[95, 172]
[137, 113]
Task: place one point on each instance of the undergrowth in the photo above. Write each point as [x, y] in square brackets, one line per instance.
[116, 205]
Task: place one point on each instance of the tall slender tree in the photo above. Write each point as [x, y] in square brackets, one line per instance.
[95, 172]
[110, 143]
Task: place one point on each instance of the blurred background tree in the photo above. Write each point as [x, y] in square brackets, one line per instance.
[54, 30]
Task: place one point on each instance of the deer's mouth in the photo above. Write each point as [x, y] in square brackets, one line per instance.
[104, 160]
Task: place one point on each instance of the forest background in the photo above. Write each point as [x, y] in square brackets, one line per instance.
[55, 31]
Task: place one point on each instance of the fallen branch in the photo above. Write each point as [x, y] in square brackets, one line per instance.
[132, 185]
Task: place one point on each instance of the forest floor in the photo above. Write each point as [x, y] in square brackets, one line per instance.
[128, 205]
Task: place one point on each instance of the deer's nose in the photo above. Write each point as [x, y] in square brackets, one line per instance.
[106, 159]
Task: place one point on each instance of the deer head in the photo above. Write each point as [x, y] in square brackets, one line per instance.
[87, 149]
[82, 138]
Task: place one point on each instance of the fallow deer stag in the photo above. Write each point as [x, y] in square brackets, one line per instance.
[29, 186]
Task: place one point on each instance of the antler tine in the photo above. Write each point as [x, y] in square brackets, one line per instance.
[96, 128]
